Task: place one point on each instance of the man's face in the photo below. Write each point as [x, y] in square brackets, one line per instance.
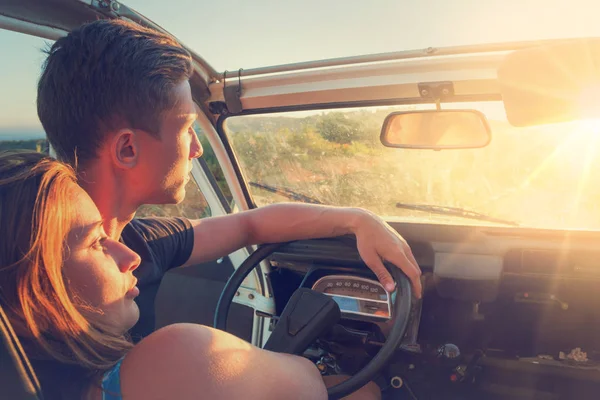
[166, 162]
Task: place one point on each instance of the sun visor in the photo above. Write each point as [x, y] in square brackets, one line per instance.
[552, 83]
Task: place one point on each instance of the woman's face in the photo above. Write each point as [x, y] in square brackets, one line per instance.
[98, 270]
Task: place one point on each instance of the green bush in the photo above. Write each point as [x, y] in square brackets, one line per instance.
[339, 128]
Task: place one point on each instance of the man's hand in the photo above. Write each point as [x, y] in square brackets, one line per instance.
[377, 242]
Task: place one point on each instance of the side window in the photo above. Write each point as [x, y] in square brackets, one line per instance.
[213, 166]
[194, 206]
[20, 68]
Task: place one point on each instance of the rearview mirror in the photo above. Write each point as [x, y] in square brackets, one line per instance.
[436, 129]
[552, 83]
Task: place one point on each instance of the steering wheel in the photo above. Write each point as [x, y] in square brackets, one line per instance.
[400, 313]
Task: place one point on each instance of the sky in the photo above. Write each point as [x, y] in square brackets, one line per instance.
[244, 34]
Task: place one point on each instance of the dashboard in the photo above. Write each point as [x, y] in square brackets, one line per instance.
[499, 307]
[367, 309]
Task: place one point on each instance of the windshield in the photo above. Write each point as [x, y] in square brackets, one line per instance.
[541, 177]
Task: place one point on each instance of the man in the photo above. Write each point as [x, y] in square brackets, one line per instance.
[115, 101]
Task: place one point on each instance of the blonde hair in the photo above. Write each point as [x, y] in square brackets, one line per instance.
[35, 218]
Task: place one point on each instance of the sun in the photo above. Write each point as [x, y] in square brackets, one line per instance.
[581, 151]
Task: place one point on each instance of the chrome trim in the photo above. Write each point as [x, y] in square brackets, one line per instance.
[358, 298]
[347, 313]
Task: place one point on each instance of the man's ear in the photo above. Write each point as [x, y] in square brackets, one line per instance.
[125, 148]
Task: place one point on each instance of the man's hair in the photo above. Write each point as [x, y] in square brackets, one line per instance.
[106, 75]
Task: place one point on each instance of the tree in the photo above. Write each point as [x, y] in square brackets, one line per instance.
[339, 128]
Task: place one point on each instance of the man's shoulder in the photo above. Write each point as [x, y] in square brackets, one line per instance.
[169, 240]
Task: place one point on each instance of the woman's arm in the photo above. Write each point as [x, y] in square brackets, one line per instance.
[188, 361]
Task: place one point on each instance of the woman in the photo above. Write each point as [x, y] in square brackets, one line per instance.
[69, 292]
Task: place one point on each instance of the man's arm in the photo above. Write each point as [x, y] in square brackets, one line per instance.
[219, 236]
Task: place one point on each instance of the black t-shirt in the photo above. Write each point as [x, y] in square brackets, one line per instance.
[162, 243]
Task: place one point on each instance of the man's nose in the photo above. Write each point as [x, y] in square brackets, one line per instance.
[196, 151]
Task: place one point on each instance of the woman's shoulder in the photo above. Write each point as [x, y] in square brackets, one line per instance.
[177, 360]
[195, 361]
[181, 343]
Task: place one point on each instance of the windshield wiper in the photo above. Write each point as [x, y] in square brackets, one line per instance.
[443, 210]
[290, 194]
[455, 211]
